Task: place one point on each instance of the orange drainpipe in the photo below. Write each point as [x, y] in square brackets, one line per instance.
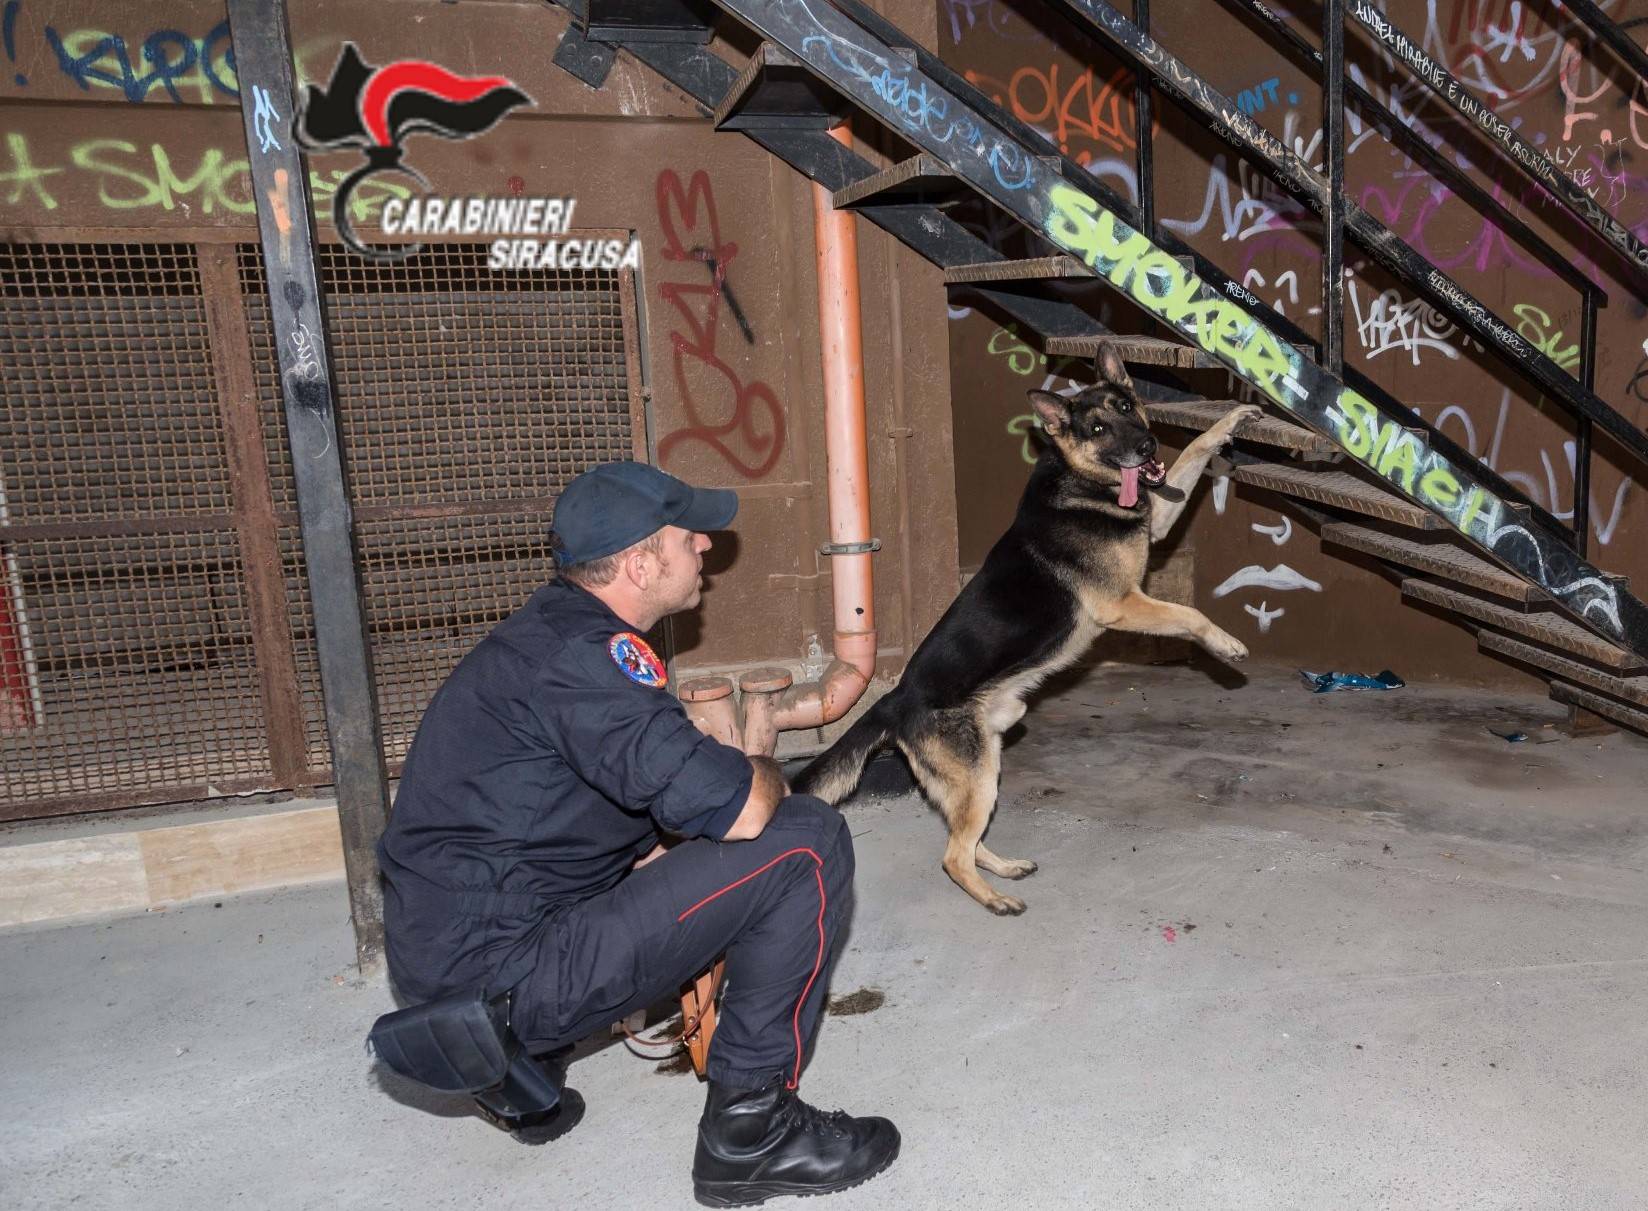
[770, 703]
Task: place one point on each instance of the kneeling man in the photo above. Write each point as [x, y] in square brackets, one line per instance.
[524, 852]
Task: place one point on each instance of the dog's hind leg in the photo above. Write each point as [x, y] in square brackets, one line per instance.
[1001, 712]
[957, 763]
[1007, 868]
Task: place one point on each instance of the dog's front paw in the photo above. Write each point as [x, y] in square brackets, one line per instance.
[1227, 647]
[1005, 906]
[1238, 418]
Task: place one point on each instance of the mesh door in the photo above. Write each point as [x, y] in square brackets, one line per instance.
[466, 399]
[126, 666]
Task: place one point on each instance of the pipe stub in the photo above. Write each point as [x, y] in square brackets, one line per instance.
[705, 689]
[765, 680]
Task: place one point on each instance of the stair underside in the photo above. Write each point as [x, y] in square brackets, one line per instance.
[1552, 630]
[1139, 350]
[1621, 714]
[1202, 414]
[1339, 489]
[1036, 269]
[1630, 689]
[921, 178]
[1438, 558]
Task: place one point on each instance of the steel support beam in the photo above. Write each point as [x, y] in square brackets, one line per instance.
[263, 61]
[1333, 214]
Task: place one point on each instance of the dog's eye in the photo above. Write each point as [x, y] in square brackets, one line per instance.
[1123, 406]
[1099, 430]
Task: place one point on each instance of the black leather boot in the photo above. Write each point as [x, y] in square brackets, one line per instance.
[531, 1082]
[756, 1144]
[540, 1127]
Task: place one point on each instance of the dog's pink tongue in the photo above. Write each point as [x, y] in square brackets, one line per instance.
[1129, 494]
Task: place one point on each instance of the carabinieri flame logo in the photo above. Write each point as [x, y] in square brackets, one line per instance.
[376, 108]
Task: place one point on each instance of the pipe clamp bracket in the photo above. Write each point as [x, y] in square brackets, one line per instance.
[850, 548]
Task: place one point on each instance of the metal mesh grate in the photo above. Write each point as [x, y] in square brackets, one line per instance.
[108, 408]
[128, 669]
[466, 399]
[125, 651]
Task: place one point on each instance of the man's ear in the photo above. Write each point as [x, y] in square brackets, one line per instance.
[636, 568]
[1110, 367]
[1051, 410]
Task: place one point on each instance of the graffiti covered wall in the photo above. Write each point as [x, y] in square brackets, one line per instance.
[126, 125]
[1259, 573]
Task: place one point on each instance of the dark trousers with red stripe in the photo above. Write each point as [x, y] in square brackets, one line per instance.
[775, 906]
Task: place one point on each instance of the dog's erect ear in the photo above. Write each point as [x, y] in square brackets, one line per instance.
[1051, 410]
[1110, 367]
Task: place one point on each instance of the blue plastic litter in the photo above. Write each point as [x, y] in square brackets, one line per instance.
[1326, 683]
[1508, 737]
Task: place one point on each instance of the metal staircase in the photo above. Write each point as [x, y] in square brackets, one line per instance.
[1469, 543]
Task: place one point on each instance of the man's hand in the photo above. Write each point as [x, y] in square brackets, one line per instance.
[767, 788]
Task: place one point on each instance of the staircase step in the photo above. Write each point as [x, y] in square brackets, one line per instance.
[1035, 269]
[1631, 689]
[1138, 350]
[921, 178]
[774, 92]
[1621, 714]
[1341, 490]
[1552, 630]
[637, 21]
[1438, 558]
[1202, 414]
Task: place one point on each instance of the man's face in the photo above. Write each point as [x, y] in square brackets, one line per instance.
[680, 564]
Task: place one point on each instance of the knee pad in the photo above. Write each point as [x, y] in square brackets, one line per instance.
[464, 1044]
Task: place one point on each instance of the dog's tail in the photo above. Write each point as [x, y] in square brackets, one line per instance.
[835, 772]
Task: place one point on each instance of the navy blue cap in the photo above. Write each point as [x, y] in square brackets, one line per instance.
[616, 505]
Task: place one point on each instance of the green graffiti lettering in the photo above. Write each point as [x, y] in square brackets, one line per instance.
[1072, 223]
[365, 202]
[87, 156]
[210, 178]
[1398, 456]
[1357, 418]
[1020, 427]
[1441, 487]
[24, 175]
[1473, 506]
[1021, 359]
[1078, 223]
[1534, 324]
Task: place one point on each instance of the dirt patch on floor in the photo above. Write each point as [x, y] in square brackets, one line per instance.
[865, 1000]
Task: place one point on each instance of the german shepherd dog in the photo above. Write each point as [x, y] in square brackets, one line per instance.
[1069, 568]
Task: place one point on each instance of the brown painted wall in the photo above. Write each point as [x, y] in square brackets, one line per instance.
[87, 142]
[1077, 95]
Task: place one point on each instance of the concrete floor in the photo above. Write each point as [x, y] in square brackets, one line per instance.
[1285, 951]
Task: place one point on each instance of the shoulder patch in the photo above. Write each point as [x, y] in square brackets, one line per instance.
[639, 662]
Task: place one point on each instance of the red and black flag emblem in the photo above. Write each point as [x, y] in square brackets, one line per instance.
[376, 108]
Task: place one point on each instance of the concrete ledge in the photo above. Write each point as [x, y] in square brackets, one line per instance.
[152, 868]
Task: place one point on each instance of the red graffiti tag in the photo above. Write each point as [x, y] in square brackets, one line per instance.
[692, 235]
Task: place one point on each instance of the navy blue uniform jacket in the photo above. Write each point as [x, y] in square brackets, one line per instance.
[540, 772]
